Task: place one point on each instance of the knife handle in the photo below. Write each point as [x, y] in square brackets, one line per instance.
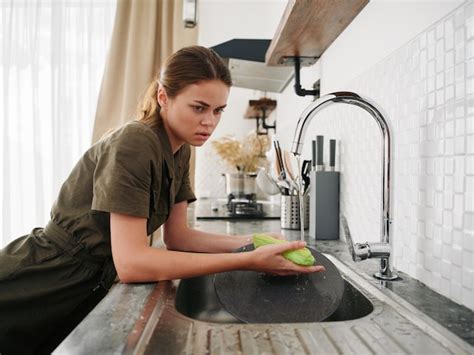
[313, 154]
[320, 151]
[332, 154]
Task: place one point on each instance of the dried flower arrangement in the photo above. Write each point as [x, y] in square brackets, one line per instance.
[245, 156]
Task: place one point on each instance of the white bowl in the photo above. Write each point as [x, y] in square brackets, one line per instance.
[266, 183]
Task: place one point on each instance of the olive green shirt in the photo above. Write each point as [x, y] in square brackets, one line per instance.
[130, 171]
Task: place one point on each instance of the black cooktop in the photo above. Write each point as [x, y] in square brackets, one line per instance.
[219, 209]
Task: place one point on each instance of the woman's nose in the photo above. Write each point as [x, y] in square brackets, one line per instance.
[210, 120]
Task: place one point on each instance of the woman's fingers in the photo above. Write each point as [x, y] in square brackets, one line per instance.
[276, 235]
[302, 270]
[291, 268]
[310, 269]
[282, 247]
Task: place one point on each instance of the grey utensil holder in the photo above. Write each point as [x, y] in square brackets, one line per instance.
[290, 212]
[324, 205]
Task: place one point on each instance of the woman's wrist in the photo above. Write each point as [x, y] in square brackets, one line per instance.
[240, 241]
[247, 239]
[245, 261]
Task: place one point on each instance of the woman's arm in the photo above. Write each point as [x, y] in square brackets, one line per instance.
[135, 261]
[178, 236]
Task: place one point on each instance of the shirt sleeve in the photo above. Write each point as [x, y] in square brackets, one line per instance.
[185, 192]
[123, 174]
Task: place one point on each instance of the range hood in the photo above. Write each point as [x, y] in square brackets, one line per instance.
[246, 61]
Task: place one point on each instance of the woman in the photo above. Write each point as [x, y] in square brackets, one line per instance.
[128, 184]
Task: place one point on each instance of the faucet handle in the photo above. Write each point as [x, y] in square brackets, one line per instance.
[359, 251]
[362, 251]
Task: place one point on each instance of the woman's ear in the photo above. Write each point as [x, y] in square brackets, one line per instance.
[161, 97]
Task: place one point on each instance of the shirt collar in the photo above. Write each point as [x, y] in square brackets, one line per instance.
[171, 161]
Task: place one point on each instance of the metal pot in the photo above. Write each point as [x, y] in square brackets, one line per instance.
[240, 184]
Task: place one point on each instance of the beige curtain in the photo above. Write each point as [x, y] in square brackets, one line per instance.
[145, 33]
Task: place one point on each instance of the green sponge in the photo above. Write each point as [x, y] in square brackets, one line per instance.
[299, 256]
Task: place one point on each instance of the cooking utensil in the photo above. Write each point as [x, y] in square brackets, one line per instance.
[266, 183]
[240, 184]
[305, 170]
[255, 297]
[282, 184]
[282, 176]
[287, 161]
[307, 191]
[279, 155]
[285, 185]
[293, 178]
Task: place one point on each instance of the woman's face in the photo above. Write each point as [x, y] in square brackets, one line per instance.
[193, 114]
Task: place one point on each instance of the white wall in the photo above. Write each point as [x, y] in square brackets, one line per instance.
[381, 28]
[415, 60]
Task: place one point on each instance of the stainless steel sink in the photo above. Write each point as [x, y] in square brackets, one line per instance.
[185, 317]
[197, 299]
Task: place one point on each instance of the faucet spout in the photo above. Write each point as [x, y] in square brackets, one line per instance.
[386, 269]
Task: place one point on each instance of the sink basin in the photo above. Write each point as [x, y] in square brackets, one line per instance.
[197, 299]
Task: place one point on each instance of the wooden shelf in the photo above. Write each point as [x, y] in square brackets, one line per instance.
[308, 27]
[256, 108]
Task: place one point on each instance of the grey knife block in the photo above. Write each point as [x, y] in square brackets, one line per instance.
[324, 205]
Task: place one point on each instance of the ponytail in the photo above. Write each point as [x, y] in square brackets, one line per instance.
[148, 107]
[187, 66]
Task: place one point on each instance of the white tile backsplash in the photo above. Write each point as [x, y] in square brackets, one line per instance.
[427, 89]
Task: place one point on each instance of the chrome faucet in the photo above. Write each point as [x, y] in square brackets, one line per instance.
[360, 251]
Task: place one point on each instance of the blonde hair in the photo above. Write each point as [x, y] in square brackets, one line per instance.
[187, 66]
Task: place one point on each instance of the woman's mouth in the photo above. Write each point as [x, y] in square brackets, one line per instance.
[203, 135]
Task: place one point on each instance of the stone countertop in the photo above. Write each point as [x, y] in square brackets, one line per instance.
[127, 320]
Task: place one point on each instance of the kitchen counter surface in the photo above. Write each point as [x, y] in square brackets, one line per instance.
[408, 317]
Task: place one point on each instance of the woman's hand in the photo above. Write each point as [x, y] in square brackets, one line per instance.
[248, 238]
[268, 259]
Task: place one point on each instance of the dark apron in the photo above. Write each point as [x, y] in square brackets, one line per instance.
[48, 284]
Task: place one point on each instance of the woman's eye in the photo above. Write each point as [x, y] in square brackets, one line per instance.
[219, 110]
[199, 108]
